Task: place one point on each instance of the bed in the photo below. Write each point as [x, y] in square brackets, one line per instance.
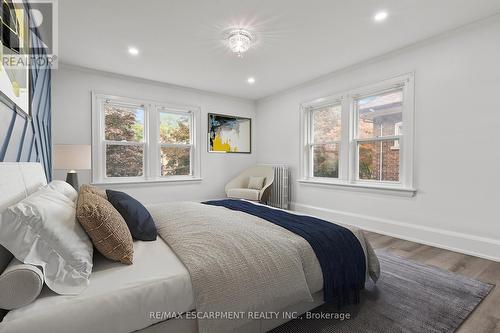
[161, 284]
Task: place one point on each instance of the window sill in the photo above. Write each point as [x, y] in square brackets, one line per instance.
[148, 181]
[370, 188]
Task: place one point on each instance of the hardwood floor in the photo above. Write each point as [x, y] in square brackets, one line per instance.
[486, 317]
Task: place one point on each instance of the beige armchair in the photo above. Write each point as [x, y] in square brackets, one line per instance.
[238, 187]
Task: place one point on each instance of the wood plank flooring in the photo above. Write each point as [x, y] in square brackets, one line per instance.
[486, 317]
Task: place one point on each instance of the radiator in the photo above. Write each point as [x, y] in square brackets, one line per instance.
[280, 194]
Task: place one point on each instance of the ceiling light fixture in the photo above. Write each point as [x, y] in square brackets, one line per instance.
[380, 16]
[133, 50]
[240, 40]
[251, 80]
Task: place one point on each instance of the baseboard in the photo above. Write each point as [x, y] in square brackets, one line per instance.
[478, 246]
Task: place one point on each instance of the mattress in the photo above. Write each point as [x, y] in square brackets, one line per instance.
[120, 298]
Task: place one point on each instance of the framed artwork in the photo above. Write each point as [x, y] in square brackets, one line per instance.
[14, 69]
[229, 134]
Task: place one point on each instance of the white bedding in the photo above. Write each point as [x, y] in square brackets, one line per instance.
[241, 263]
[119, 297]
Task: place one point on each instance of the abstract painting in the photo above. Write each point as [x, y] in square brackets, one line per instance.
[14, 74]
[229, 134]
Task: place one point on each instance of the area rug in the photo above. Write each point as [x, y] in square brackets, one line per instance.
[409, 297]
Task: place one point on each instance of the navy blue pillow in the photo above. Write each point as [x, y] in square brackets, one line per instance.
[137, 217]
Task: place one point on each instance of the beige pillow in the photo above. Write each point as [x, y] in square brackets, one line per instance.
[256, 183]
[105, 226]
[93, 189]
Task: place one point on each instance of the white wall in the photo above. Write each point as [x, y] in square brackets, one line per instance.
[457, 79]
[71, 124]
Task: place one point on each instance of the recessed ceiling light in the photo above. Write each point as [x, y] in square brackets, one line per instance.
[133, 50]
[251, 80]
[380, 16]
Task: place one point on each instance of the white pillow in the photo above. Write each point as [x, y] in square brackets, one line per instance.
[20, 284]
[64, 188]
[42, 230]
[256, 183]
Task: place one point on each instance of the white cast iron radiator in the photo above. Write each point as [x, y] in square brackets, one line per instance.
[280, 194]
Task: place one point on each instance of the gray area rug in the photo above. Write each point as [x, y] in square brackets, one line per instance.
[409, 297]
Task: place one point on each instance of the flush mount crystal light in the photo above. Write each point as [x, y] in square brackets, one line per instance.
[239, 41]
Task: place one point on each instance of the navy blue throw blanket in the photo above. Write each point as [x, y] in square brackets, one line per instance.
[339, 252]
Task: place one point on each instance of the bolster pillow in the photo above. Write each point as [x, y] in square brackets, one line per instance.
[20, 284]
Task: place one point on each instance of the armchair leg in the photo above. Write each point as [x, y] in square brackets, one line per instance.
[266, 195]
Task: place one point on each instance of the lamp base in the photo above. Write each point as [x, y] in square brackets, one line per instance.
[72, 179]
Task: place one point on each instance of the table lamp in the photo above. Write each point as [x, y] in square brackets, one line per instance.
[72, 158]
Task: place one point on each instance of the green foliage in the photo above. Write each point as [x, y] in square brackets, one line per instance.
[175, 161]
[174, 128]
[122, 125]
[124, 161]
[326, 163]
[138, 131]
[365, 162]
[178, 133]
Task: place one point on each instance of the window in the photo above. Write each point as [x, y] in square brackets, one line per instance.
[325, 144]
[124, 140]
[140, 141]
[175, 143]
[376, 117]
[362, 137]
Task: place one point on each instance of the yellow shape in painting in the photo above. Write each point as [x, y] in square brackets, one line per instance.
[20, 19]
[218, 145]
[15, 88]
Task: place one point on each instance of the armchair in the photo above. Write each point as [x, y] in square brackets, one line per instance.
[238, 186]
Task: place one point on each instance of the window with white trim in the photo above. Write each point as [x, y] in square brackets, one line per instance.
[324, 146]
[363, 137]
[139, 141]
[123, 143]
[176, 142]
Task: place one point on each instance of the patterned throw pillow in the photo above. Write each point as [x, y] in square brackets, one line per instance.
[93, 189]
[105, 226]
[256, 183]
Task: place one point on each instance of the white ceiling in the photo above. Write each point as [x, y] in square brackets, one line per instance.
[180, 40]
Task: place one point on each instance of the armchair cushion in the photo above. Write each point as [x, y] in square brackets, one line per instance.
[243, 193]
[256, 183]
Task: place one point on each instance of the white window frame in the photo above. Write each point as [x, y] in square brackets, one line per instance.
[348, 155]
[397, 131]
[151, 143]
[310, 144]
[191, 145]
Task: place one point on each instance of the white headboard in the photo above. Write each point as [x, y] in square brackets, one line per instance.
[17, 181]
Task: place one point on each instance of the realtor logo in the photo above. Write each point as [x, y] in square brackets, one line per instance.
[29, 34]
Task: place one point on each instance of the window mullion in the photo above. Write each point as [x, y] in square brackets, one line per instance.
[149, 153]
[310, 140]
[102, 145]
[123, 143]
[380, 138]
[344, 141]
[176, 145]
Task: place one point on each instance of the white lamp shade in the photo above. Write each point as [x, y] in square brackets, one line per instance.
[72, 157]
